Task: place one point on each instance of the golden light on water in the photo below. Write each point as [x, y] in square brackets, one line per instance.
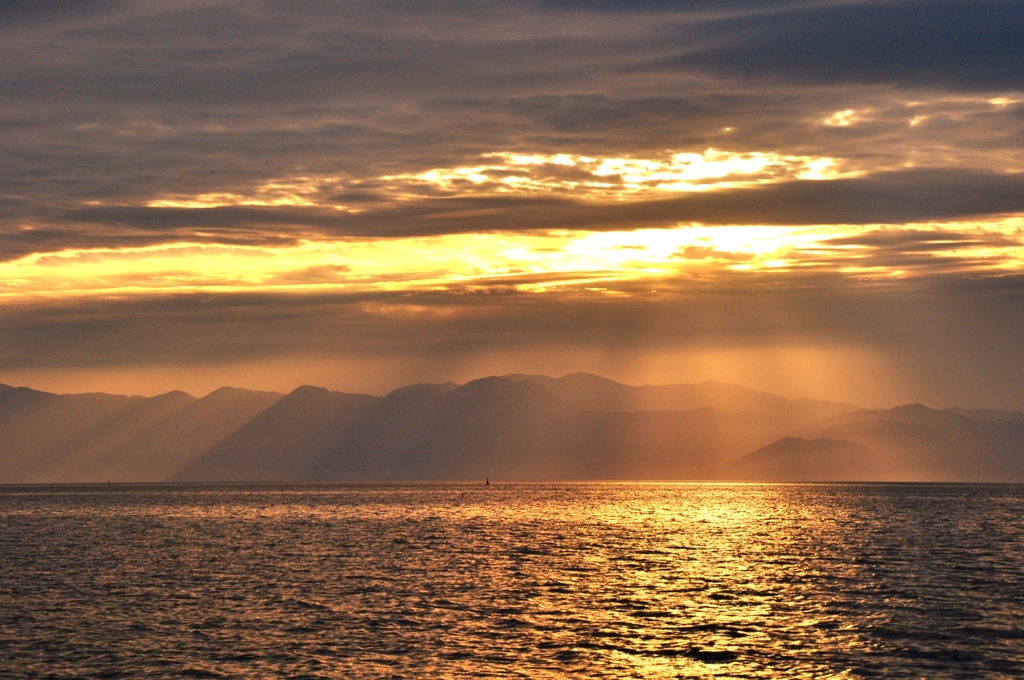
[536, 261]
[610, 580]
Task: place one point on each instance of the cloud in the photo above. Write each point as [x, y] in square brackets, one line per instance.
[893, 197]
[946, 44]
[270, 125]
[656, 6]
[18, 13]
[957, 340]
[216, 97]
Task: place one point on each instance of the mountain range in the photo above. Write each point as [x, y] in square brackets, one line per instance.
[513, 427]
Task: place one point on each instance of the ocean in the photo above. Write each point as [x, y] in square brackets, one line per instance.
[616, 580]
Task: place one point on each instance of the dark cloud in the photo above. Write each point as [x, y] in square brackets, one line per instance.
[921, 251]
[218, 97]
[16, 13]
[893, 197]
[228, 54]
[971, 45]
[655, 6]
[922, 240]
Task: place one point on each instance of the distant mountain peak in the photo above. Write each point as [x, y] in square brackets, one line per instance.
[580, 375]
[488, 381]
[916, 407]
[423, 388]
[174, 393]
[795, 459]
[309, 389]
[516, 426]
[227, 390]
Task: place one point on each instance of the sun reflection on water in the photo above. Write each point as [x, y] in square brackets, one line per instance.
[541, 580]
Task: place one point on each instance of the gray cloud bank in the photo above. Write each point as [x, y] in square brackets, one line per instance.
[900, 197]
[106, 106]
[121, 103]
[944, 339]
[950, 45]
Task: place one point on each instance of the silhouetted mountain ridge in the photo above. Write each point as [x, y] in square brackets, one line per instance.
[589, 392]
[98, 437]
[280, 443]
[579, 426]
[917, 443]
[988, 415]
[794, 459]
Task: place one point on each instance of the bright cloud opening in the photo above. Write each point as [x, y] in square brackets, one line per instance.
[589, 176]
[526, 261]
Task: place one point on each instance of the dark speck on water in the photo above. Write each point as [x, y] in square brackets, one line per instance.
[613, 580]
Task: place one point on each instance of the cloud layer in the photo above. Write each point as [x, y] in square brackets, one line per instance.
[204, 180]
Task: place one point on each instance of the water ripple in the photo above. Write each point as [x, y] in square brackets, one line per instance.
[521, 580]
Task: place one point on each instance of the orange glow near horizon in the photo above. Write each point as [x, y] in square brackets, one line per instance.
[856, 374]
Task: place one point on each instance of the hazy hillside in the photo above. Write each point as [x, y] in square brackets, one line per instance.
[907, 443]
[512, 427]
[656, 444]
[989, 415]
[793, 459]
[942, 445]
[98, 437]
[579, 426]
[486, 427]
[281, 443]
[588, 392]
[49, 437]
[161, 451]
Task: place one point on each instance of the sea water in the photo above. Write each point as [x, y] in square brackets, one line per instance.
[612, 580]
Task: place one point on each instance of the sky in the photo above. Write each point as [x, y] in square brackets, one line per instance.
[814, 198]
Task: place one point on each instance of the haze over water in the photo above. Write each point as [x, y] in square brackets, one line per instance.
[532, 580]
